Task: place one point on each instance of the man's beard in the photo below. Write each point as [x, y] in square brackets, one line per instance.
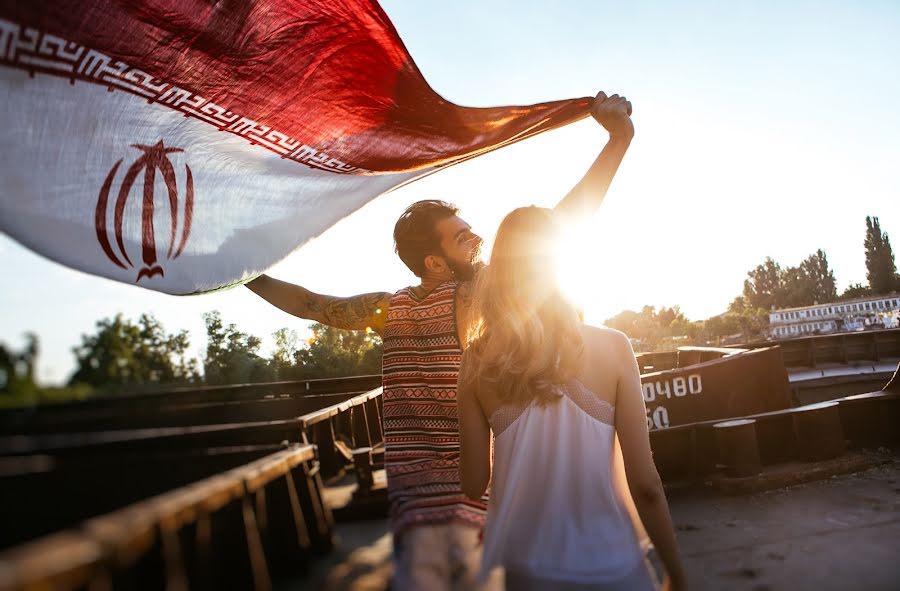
[464, 271]
[468, 270]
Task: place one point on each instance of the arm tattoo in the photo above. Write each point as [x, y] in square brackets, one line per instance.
[352, 313]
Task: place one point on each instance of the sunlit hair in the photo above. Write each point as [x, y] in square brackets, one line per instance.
[524, 335]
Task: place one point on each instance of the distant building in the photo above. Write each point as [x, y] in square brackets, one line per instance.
[849, 316]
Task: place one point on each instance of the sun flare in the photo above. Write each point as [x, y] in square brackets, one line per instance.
[573, 263]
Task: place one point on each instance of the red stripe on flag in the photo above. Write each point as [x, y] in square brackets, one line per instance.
[331, 73]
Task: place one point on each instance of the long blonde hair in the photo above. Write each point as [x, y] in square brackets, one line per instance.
[524, 335]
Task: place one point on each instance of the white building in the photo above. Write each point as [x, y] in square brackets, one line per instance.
[852, 315]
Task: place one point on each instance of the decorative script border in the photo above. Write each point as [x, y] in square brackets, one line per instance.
[29, 49]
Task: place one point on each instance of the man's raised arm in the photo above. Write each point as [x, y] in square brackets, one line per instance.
[614, 114]
[357, 312]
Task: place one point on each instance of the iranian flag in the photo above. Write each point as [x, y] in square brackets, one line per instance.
[187, 145]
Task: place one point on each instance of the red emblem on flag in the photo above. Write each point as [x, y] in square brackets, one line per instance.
[153, 158]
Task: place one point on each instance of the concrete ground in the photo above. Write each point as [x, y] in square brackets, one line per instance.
[841, 533]
[838, 533]
[360, 561]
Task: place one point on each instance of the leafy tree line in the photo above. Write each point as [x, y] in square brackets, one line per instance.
[125, 355]
[232, 356]
[768, 286]
[122, 355]
[812, 282]
[669, 328]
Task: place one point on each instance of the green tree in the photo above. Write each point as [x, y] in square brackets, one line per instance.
[855, 290]
[667, 316]
[723, 325]
[769, 286]
[881, 271]
[284, 357]
[17, 369]
[333, 352]
[122, 352]
[7, 368]
[653, 330]
[764, 286]
[232, 356]
[819, 277]
[286, 347]
[809, 283]
[741, 318]
[641, 326]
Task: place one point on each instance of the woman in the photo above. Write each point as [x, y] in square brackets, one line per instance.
[555, 393]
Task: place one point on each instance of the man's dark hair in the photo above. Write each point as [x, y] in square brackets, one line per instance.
[415, 235]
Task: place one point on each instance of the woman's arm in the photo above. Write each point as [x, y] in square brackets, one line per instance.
[643, 479]
[474, 436]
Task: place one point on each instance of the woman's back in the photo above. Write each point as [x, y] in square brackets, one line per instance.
[557, 518]
[555, 512]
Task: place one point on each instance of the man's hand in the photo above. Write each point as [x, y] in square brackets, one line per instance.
[614, 114]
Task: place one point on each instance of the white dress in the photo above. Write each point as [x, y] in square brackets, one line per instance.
[554, 516]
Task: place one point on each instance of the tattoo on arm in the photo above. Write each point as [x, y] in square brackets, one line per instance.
[351, 313]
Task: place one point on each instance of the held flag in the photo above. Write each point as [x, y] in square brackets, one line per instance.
[187, 145]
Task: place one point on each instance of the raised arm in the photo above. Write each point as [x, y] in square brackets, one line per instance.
[614, 114]
[358, 312]
[643, 479]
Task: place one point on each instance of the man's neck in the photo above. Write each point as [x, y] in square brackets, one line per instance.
[429, 283]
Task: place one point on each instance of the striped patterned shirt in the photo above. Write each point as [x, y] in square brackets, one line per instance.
[421, 428]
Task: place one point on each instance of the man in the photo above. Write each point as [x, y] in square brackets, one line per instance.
[436, 528]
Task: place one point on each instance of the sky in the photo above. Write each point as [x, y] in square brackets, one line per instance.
[762, 129]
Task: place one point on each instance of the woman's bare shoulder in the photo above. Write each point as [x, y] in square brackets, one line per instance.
[602, 337]
[606, 354]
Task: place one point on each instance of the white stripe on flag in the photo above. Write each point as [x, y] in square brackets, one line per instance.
[251, 206]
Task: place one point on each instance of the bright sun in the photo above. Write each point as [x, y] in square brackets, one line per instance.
[572, 265]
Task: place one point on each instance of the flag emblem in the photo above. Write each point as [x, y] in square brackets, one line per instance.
[153, 158]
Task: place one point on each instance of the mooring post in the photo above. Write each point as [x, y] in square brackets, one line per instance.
[738, 449]
[820, 435]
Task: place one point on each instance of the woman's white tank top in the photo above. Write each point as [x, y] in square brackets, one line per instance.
[554, 511]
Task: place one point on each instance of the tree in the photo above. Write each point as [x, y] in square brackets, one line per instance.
[232, 356]
[335, 352]
[17, 369]
[809, 283]
[769, 286]
[750, 322]
[652, 329]
[723, 325]
[764, 286]
[641, 326]
[122, 352]
[286, 346]
[855, 290]
[285, 358]
[667, 316]
[7, 368]
[881, 271]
